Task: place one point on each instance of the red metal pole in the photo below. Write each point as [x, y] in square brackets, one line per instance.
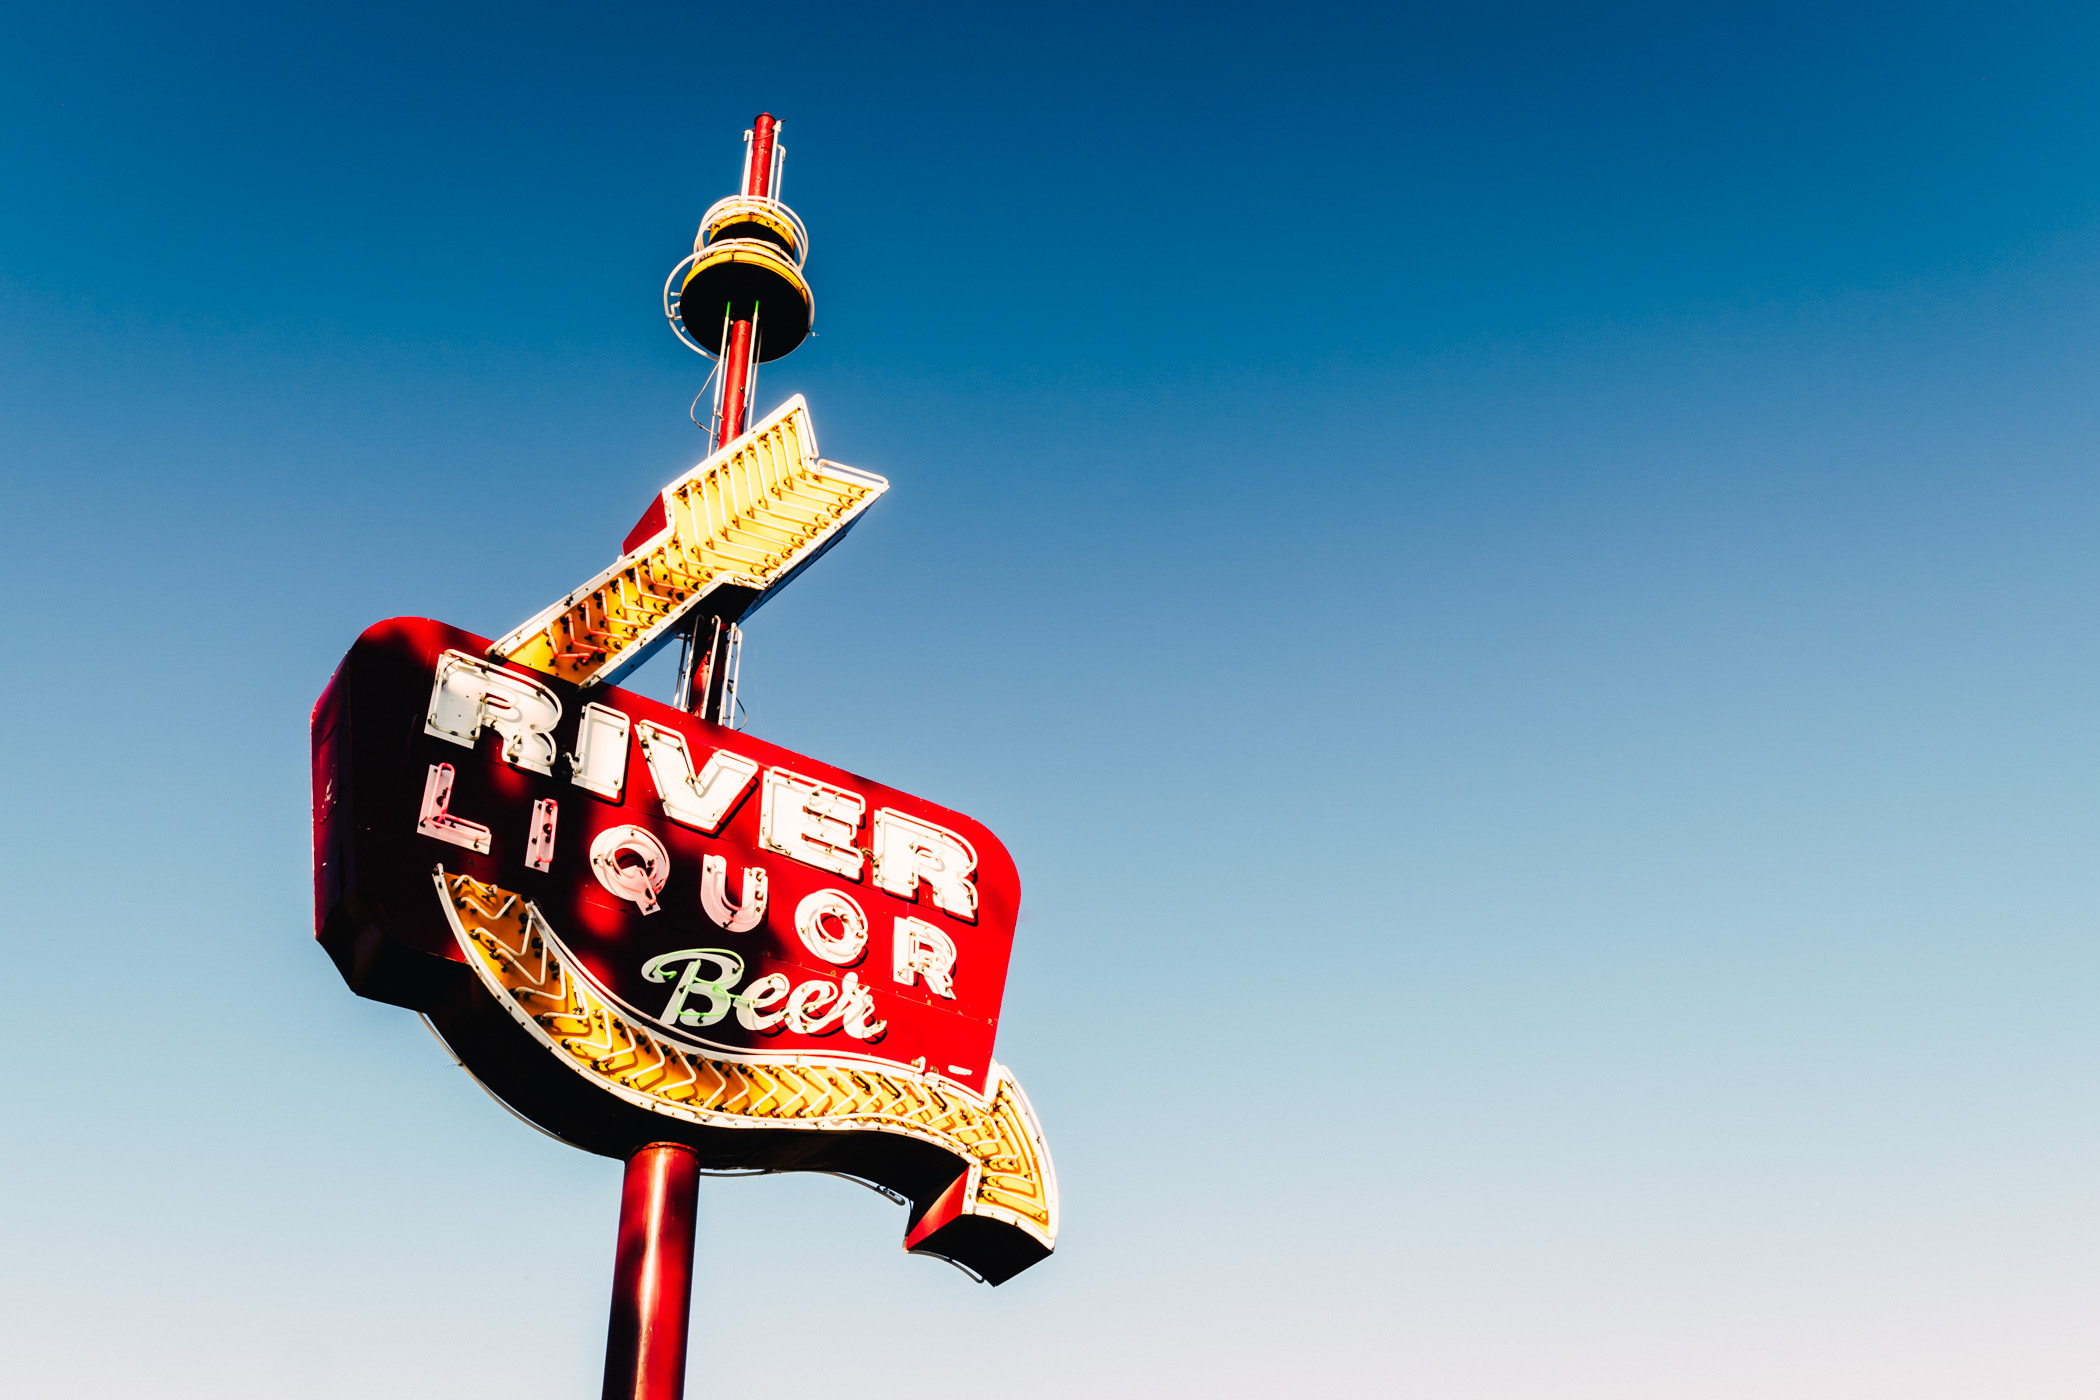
[736, 359]
[653, 1275]
[736, 378]
[761, 181]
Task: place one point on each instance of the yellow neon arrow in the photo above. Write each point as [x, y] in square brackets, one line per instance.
[744, 519]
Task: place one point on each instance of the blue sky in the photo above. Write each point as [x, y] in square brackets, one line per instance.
[1519, 582]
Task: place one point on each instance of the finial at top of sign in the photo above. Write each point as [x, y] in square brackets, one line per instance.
[739, 297]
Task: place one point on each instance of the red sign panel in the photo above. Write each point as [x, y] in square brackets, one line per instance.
[633, 924]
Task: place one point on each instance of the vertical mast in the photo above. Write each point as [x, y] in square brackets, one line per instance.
[742, 341]
[740, 299]
[737, 352]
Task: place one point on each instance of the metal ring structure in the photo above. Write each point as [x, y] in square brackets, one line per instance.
[754, 216]
[740, 276]
[673, 295]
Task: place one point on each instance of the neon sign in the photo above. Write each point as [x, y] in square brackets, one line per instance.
[656, 936]
[735, 946]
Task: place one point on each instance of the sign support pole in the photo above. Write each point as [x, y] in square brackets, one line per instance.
[652, 1295]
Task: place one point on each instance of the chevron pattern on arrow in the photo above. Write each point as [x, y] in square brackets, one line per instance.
[520, 960]
[747, 516]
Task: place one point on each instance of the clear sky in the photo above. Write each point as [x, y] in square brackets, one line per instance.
[1519, 579]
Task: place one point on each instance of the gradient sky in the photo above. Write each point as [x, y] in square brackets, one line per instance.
[1520, 582]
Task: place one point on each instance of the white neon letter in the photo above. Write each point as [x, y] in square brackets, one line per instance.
[908, 850]
[833, 927]
[921, 950]
[702, 801]
[715, 989]
[860, 1005]
[812, 822]
[539, 837]
[752, 1003]
[631, 863]
[436, 819]
[714, 895]
[600, 762]
[807, 1012]
[468, 694]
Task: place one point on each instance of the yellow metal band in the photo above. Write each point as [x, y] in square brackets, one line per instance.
[763, 212]
[756, 252]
